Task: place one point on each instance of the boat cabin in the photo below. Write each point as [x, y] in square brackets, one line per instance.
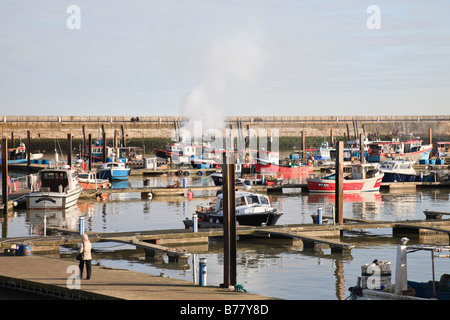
[364, 171]
[398, 166]
[87, 176]
[113, 165]
[245, 199]
[324, 152]
[57, 180]
[266, 157]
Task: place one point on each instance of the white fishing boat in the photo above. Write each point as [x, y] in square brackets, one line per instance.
[58, 189]
[252, 209]
[179, 153]
[19, 155]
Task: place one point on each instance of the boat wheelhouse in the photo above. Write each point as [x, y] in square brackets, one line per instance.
[398, 171]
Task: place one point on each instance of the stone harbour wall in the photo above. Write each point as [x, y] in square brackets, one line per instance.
[140, 127]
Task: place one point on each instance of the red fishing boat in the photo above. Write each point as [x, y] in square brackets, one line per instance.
[363, 177]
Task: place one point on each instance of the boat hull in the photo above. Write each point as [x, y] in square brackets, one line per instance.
[424, 153]
[248, 219]
[114, 174]
[284, 170]
[52, 200]
[87, 185]
[400, 177]
[354, 185]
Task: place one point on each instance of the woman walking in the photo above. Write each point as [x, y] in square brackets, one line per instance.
[85, 250]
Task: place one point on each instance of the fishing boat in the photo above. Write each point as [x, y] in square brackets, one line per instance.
[97, 151]
[412, 149]
[113, 171]
[375, 281]
[267, 157]
[19, 155]
[399, 171]
[59, 189]
[268, 162]
[179, 153]
[363, 177]
[89, 181]
[324, 152]
[252, 209]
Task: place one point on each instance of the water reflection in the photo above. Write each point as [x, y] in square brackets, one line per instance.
[67, 218]
[267, 266]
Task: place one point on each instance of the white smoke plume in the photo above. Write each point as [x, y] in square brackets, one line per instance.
[229, 68]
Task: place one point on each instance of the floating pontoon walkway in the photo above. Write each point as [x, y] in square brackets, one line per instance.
[56, 277]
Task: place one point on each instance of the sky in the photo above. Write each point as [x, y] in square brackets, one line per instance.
[216, 58]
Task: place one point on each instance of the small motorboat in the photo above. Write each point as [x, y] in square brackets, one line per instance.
[89, 181]
[113, 171]
[252, 209]
[399, 171]
[58, 189]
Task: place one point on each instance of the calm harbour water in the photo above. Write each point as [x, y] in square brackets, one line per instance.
[265, 266]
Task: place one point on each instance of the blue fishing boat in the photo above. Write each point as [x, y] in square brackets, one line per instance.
[19, 155]
[113, 171]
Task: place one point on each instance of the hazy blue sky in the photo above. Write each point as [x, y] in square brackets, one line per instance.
[215, 58]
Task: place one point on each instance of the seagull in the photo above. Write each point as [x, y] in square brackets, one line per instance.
[404, 240]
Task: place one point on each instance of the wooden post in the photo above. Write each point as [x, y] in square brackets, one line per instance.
[83, 152]
[430, 134]
[332, 137]
[12, 139]
[69, 149]
[28, 148]
[104, 146]
[5, 174]
[229, 223]
[123, 138]
[90, 151]
[303, 145]
[339, 190]
[361, 148]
